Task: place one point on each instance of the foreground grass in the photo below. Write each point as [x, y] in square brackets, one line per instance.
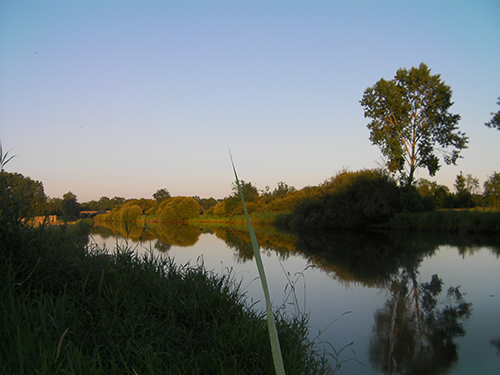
[68, 309]
[451, 221]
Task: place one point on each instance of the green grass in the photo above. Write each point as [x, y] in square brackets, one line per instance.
[67, 308]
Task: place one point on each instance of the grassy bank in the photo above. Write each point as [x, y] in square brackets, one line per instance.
[455, 221]
[68, 309]
[261, 218]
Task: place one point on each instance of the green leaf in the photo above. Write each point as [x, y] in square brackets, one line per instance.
[271, 325]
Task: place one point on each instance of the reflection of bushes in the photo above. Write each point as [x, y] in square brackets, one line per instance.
[355, 200]
[178, 235]
[124, 229]
[239, 240]
[371, 258]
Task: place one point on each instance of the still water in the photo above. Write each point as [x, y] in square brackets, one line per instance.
[379, 303]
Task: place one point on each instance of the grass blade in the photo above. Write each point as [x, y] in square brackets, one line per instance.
[271, 325]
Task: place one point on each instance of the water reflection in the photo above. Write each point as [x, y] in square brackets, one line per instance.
[166, 235]
[411, 334]
[414, 330]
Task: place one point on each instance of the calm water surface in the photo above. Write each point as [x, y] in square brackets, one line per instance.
[381, 300]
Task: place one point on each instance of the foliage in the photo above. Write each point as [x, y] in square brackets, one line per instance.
[495, 120]
[161, 195]
[66, 309]
[206, 203]
[178, 209]
[452, 221]
[249, 191]
[129, 212]
[410, 118]
[70, 208]
[21, 198]
[437, 196]
[356, 200]
[492, 189]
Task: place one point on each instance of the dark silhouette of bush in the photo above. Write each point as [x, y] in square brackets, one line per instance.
[356, 200]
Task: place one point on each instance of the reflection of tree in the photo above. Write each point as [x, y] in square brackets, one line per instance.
[412, 335]
[237, 240]
[178, 234]
[162, 246]
[496, 344]
[136, 233]
[367, 257]
[167, 234]
[268, 238]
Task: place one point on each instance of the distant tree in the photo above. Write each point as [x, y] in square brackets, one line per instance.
[178, 209]
[117, 201]
[70, 208]
[161, 195]
[495, 120]
[205, 203]
[54, 206]
[20, 197]
[466, 187]
[466, 184]
[492, 189]
[250, 192]
[282, 189]
[103, 204]
[438, 194]
[410, 118]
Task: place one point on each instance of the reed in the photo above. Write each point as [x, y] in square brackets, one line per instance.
[273, 333]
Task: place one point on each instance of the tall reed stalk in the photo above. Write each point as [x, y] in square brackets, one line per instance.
[271, 325]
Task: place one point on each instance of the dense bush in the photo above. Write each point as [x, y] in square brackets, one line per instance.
[178, 209]
[356, 200]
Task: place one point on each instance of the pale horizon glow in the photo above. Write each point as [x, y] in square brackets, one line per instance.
[125, 98]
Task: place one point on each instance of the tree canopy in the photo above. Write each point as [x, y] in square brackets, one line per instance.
[161, 195]
[410, 118]
[495, 120]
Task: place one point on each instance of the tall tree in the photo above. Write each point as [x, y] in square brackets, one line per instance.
[495, 120]
[410, 118]
[492, 189]
[70, 208]
[161, 195]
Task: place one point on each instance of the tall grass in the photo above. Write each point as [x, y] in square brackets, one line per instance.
[273, 333]
[67, 307]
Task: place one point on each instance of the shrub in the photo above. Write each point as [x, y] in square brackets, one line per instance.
[179, 209]
[128, 213]
[355, 200]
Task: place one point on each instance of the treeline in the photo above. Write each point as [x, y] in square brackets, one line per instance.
[374, 195]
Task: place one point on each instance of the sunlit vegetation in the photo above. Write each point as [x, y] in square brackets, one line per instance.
[68, 307]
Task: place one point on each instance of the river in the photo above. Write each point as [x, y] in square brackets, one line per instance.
[379, 303]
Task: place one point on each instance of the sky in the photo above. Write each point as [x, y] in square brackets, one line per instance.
[122, 98]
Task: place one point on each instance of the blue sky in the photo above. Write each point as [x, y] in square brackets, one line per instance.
[122, 98]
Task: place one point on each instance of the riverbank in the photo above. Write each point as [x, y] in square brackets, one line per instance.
[446, 221]
[68, 308]
[473, 221]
